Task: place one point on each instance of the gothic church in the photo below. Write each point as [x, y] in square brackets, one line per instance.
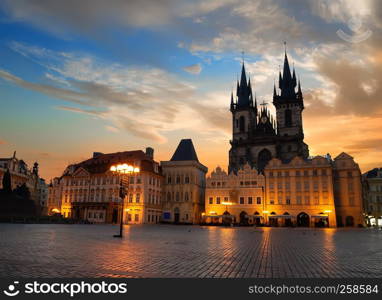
[257, 135]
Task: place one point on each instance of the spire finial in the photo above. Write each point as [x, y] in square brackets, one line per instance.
[285, 47]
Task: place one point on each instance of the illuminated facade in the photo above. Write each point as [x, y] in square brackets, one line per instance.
[313, 192]
[91, 192]
[54, 196]
[300, 192]
[184, 185]
[236, 198]
[347, 183]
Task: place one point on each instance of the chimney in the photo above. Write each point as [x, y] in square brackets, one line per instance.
[150, 152]
[96, 154]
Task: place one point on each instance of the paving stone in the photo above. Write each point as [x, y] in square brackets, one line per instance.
[176, 251]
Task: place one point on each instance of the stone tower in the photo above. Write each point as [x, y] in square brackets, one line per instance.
[257, 136]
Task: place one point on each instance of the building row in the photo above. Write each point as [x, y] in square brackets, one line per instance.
[318, 191]
[271, 178]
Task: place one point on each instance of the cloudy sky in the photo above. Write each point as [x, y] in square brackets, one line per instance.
[84, 76]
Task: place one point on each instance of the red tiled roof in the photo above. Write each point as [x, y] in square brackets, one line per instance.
[103, 162]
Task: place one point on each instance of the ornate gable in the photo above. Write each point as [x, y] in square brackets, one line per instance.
[81, 172]
[343, 155]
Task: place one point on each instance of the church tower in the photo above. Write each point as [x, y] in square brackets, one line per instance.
[244, 119]
[257, 136]
[289, 106]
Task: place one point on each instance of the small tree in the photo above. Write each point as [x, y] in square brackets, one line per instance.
[7, 183]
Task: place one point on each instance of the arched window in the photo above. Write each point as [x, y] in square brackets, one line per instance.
[177, 196]
[242, 124]
[288, 118]
[186, 196]
[168, 196]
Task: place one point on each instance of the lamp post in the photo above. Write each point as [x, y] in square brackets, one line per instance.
[123, 169]
[328, 212]
[226, 206]
[265, 212]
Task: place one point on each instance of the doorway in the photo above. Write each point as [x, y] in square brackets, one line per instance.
[303, 220]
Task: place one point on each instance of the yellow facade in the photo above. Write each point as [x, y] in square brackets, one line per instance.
[303, 189]
[237, 198]
[303, 192]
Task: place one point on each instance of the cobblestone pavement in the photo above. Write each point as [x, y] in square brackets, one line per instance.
[188, 251]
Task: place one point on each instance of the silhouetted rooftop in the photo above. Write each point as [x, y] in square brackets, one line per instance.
[185, 151]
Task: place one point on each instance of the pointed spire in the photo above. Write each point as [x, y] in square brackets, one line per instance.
[237, 88]
[294, 77]
[274, 90]
[244, 91]
[280, 79]
[232, 103]
[286, 71]
[288, 82]
[243, 78]
[255, 102]
[299, 92]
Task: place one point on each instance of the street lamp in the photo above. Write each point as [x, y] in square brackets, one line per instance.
[328, 212]
[226, 207]
[123, 169]
[265, 212]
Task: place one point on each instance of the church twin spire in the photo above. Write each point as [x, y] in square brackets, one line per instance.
[243, 92]
[287, 84]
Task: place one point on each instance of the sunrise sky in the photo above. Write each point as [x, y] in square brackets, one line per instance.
[84, 76]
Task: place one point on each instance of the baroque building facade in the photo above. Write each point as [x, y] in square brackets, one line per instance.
[235, 197]
[89, 191]
[54, 196]
[184, 185]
